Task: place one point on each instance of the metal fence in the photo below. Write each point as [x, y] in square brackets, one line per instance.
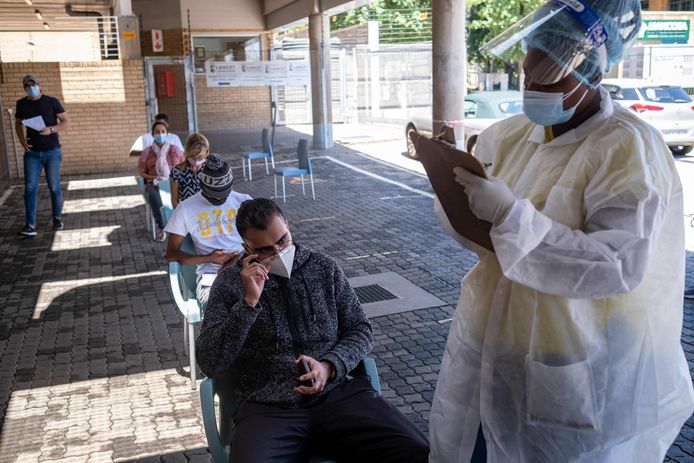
[388, 85]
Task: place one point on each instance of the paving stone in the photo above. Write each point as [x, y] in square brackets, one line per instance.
[97, 370]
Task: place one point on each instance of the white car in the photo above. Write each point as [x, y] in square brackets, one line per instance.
[668, 108]
[482, 109]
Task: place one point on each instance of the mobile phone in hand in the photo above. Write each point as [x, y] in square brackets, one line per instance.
[303, 369]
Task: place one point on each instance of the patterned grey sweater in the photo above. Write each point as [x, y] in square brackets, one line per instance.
[250, 349]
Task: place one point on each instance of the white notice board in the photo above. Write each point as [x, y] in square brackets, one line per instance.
[257, 73]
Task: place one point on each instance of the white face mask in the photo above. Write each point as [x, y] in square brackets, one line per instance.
[282, 262]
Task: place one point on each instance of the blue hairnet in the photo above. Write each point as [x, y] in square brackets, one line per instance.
[622, 21]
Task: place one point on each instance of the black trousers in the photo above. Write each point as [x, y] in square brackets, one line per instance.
[352, 424]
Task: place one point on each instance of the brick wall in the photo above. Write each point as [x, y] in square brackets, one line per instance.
[350, 37]
[231, 108]
[105, 102]
[173, 43]
[353, 36]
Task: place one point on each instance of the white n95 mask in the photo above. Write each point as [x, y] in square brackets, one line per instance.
[282, 262]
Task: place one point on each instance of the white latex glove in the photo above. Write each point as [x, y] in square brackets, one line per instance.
[490, 198]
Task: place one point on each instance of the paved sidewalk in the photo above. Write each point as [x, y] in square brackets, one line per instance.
[91, 358]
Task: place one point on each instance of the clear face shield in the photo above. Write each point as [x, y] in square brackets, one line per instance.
[553, 41]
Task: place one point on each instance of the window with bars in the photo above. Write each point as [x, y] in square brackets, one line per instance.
[682, 5]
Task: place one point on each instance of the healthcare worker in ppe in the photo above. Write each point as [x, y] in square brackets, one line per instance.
[565, 345]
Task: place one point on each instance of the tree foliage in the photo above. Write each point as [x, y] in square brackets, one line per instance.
[400, 21]
[403, 21]
[489, 18]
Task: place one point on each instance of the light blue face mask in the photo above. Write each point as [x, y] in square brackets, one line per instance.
[547, 108]
[160, 138]
[33, 91]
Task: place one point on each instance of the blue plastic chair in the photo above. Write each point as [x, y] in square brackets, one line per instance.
[183, 281]
[265, 154]
[149, 219]
[166, 212]
[219, 437]
[165, 194]
[303, 169]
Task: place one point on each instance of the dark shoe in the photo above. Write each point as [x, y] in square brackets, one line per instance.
[689, 293]
[28, 230]
[58, 224]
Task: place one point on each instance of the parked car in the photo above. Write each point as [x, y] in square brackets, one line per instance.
[482, 109]
[666, 107]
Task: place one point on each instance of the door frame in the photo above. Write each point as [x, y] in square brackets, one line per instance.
[150, 88]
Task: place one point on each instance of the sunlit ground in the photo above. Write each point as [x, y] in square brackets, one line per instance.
[685, 167]
[130, 416]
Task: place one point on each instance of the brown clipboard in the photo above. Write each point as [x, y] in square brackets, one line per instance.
[439, 158]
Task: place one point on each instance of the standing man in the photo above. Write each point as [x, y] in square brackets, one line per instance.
[41, 149]
[565, 345]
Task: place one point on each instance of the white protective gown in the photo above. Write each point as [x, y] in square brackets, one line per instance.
[565, 344]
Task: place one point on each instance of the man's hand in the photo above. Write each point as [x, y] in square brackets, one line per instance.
[26, 146]
[320, 373]
[253, 276]
[45, 131]
[221, 257]
[490, 198]
[231, 259]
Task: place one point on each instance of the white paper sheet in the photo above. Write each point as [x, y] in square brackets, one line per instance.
[37, 123]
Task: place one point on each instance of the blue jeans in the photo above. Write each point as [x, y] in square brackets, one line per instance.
[50, 161]
[153, 197]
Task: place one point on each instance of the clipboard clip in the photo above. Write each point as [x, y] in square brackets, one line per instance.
[446, 134]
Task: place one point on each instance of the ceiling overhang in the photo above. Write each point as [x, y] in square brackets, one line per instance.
[54, 15]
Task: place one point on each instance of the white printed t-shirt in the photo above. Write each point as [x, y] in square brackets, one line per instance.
[211, 227]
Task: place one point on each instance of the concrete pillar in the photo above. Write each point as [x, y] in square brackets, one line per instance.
[123, 8]
[449, 69]
[319, 40]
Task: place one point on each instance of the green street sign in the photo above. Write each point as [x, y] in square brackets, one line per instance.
[665, 30]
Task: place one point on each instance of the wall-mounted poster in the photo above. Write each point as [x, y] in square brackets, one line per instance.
[257, 73]
[275, 73]
[298, 72]
[252, 74]
[223, 73]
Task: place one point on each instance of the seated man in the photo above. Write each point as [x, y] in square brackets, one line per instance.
[282, 330]
[208, 216]
[145, 140]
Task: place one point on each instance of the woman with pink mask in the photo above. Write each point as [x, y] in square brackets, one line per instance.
[184, 176]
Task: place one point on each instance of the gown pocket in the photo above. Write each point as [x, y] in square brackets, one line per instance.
[561, 396]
